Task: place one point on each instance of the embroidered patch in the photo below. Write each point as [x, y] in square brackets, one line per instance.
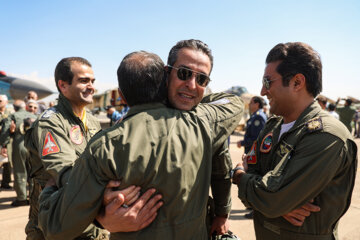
[49, 112]
[251, 155]
[284, 148]
[257, 123]
[50, 145]
[314, 124]
[266, 143]
[76, 135]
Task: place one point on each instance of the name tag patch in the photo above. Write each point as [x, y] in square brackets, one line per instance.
[251, 155]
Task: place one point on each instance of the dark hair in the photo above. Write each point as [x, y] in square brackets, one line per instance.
[259, 100]
[141, 78]
[192, 44]
[348, 101]
[63, 69]
[331, 107]
[322, 99]
[298, 57]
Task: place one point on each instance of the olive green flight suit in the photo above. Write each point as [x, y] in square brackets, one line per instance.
[154, 146]
[19, 151]
[6, 175]
[346, 115]
[54, 142]
[316, 159]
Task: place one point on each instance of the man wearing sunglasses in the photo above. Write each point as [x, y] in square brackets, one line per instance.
[303, 154]
[153, 147]
[188, 69]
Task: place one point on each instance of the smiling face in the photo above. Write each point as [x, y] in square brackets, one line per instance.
[279, 96]
[80, 91]
[184, 95]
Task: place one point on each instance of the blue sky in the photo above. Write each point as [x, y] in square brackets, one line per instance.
[35, 35]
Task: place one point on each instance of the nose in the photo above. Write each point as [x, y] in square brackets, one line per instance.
[91, 85]
[263, 91]
[191, 83]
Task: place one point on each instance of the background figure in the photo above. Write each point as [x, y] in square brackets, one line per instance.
[322, 101]
[332, 111]
[346, 113]
[4, 114]
[32, 106]
[254, 124]
[357, 123]
[14, 128]
[114, 115]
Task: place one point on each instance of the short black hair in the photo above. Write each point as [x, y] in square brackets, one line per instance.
[298, 57]
[141, 77]
[63, 69]
[259, 100]
[331, 107]
[192, 44]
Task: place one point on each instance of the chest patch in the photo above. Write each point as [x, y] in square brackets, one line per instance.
[50, 145]
[76, 135]
[251, 156]
[266, 143]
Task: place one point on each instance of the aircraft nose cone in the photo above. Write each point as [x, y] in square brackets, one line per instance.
[20, 87]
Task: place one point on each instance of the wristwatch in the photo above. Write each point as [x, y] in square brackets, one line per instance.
[232, 171]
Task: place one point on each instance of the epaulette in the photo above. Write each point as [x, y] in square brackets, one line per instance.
[48, 113]
[314, 124]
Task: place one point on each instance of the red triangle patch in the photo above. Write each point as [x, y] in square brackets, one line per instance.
[50, 145]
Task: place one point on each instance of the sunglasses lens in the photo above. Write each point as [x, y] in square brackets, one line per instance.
[184, 74]
[202, 80]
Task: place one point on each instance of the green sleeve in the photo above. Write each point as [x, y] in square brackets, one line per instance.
[220, 180]
[223, 112]
[64, 155]
[65, 214]
[5, 133]
[297, 178]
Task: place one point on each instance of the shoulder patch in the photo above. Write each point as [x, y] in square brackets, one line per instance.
[220, 101]
[314, 124]
[266, 143]
[250, 157]
[257, 123]
[48, 113]
[50, 145]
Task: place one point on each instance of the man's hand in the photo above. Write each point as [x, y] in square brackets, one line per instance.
[130, 194]
[12, 126]
[220, 225]
[133, 218]
[4, 151]
[244, 162]
[297, 217]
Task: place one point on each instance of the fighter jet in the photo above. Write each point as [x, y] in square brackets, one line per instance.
[17, 88]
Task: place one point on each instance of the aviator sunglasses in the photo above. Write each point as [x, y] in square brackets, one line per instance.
[186, 73]
[266, 82]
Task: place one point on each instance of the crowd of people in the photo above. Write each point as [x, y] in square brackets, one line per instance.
[148, 176]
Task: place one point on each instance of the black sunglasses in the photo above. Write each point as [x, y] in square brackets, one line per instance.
[186, 73]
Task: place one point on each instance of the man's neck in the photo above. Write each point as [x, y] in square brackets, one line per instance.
[2, 110]
[298, 109]
[78, 110]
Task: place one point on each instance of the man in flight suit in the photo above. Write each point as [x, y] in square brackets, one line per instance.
[302, 155]
[162, 156]
[13, 128]
[4, 114]
[61, 134]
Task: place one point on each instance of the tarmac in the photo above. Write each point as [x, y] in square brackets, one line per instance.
[14, 219]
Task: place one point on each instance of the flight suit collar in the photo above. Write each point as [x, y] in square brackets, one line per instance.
[143, 107]
[64, 105]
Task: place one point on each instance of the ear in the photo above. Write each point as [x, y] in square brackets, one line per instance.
[62, 85]
[299, 82]
[122, 96]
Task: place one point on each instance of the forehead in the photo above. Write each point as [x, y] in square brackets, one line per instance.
[194, 59]
[81, 69]
[270, 69]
